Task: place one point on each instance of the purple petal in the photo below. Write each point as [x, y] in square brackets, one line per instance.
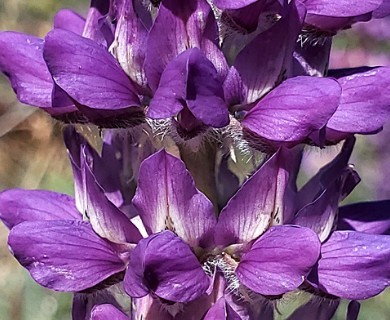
[340, 8]
[168, 99]
[74, 143]
[130, 41]
[279, 261]
[250, 212]
[166, 198]
[233, 4]
[17, 206]
[167, 38]
[21, 60]
[116, 182]
[364, 105]
[351, 180]
[64, 255]
[69, 20]
[97, 25]
[165, 265]
[221, 310]
[107, 312]
[368, 217]
[354, 265]
[88, 73]
[245, 20]
[120, 184]
[178, 27]
[78, 149]
[192, 78]
[233, 87]
[320, 214]
[273, 44]
[106, 219]
[227, 182]
[286, 114]
[204, 92]
[119, 181]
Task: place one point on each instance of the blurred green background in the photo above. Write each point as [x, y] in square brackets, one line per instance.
[32, 156]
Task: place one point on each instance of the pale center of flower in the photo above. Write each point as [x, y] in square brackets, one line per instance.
[225, 264]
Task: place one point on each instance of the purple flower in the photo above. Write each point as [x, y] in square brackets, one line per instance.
[331, 16]
[364, 106]
[353, 265]
[190, 204]
[76, 94]
[244, 85]
[194, 26]
[289, 108]
[233, 4]
[186, 68]
[132, 26]
[45, 244]
[121, 152]
[22, 61]
[82, 68]
[322, 21]
[197, 246]
[61, 251]
[190, 82]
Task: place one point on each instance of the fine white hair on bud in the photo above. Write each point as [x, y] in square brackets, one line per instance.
[160, 128]
[250, 151]
[226, 265]
[313, 36]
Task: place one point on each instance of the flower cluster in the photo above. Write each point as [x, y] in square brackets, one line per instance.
[191, 208]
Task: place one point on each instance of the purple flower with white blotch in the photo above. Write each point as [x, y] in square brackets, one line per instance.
[187, 246]
[52, 264]
[124, 153]
[79, 246]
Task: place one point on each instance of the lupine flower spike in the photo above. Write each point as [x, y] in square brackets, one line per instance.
[191, 207]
